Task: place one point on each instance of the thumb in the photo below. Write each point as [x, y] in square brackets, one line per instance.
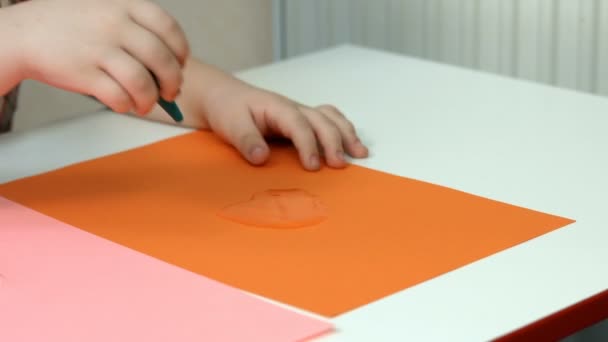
[247, 138]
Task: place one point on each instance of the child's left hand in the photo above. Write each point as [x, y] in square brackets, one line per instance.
[243, 115]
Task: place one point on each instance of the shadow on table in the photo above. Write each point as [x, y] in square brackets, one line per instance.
[595, 333]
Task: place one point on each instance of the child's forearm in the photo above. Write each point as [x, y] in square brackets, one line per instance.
[10, 63]
[201, 84]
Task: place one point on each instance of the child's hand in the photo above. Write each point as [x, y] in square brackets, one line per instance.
[243, 115]
[103, 48]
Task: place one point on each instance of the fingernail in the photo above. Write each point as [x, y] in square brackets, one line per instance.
[340, 155]
[361, 146]
[256, 154]
[315, 163]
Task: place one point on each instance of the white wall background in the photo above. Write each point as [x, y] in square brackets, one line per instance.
[558, 42]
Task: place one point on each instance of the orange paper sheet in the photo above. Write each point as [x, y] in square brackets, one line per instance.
[327, 242]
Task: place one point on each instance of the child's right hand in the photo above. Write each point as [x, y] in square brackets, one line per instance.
[103, 48]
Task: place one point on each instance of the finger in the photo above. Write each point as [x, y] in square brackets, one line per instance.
[134, 78]
[328, 135]
[158, 21]
[108, 91]
[245, 136]
[350, 138]
[148, 49]
[294, 125]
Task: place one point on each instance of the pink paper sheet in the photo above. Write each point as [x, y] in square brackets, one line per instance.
[58, 283]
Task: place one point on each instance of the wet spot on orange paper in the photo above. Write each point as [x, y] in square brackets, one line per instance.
[277, 208]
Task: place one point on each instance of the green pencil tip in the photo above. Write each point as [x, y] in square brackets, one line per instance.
[172, 109]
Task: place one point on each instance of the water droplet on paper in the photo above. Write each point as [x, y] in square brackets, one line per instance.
[277, 209]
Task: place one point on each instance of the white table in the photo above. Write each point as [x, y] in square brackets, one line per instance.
[518, 142]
